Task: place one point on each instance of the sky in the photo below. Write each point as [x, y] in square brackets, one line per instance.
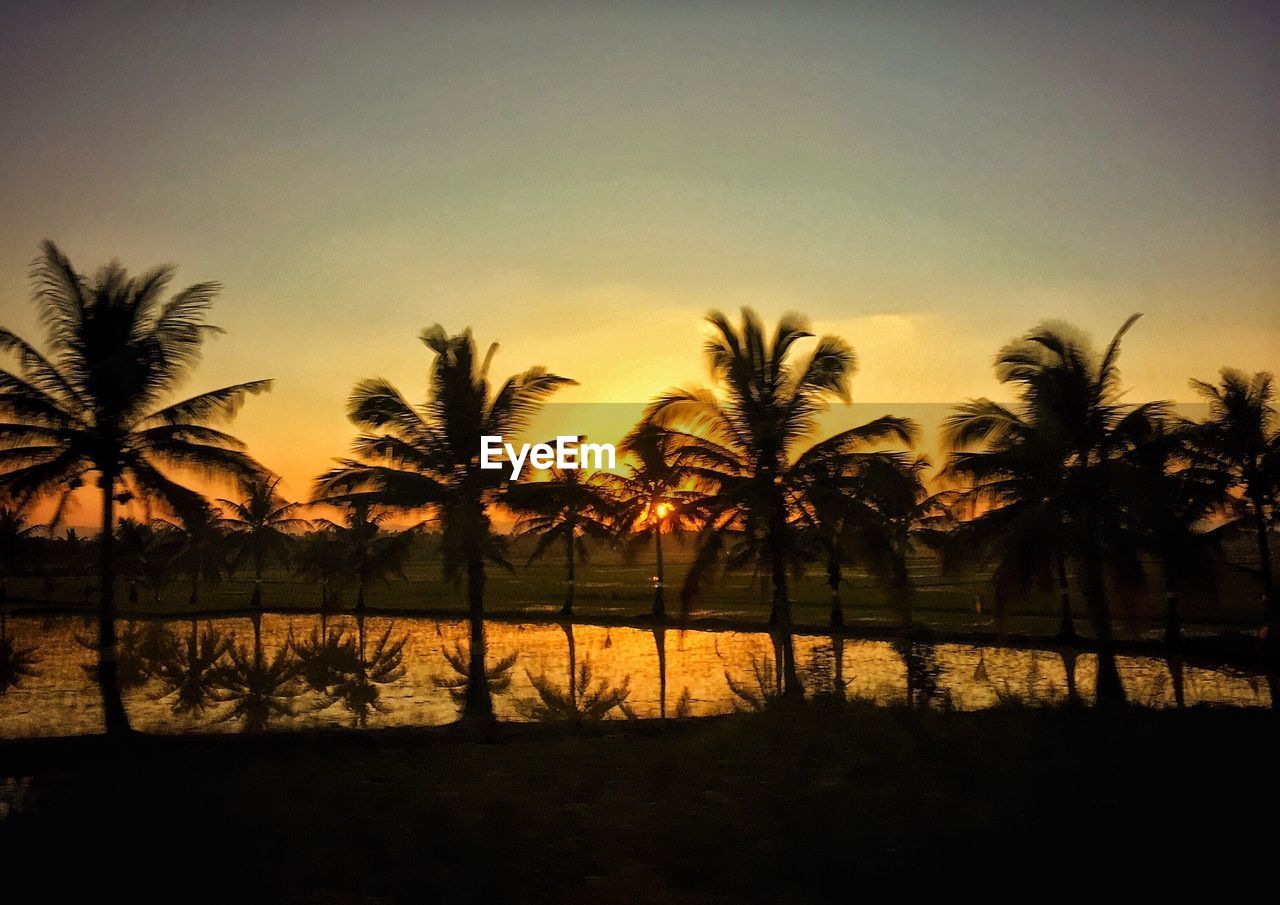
[582, 182]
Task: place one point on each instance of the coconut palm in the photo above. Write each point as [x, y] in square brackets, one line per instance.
[16, 543]
[858, 507]
[427, 459]
[261, 527]
[1240, 442]
[317, 558]
[367, 552]
[1171, 499]
[656, 495]
[564, 510]
[1044, 480]
[200, 546]
[95, 405]
[745, 444]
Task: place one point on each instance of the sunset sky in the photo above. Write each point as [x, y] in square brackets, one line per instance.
[583, 181]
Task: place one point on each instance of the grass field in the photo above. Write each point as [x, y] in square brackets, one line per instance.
[608, 585]
[697, 813]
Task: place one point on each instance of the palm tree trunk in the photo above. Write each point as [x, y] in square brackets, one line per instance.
[256, 600]
[834, 577]
[114, 716]
[660, 642]
[478, 703]
[573, 663]
[567, 609]
[659, 600]
[1269, 602]
[193, 599]
[1172, 619]
[1109, 691]
[1066, 624]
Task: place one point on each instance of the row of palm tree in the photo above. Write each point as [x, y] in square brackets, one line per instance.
[1066, 481]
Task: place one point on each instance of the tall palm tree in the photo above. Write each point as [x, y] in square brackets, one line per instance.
[261, 527]
[1240, 441]
[1043, 477]
[1172, 499]
[317, 557]
[745, 443]
[857, 508]
[656, 495]
[564, 510]
[368, 552]
[95, 406]
[427, 458]
[200, 546]
[17, 538]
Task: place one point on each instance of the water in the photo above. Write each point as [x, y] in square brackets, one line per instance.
[227, 677]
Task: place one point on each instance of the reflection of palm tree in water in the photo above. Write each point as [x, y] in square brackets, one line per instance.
[190, 669]
[587, 699]
[140, 647]
[258, 688]
[475, 698]
[16, 663]
[923, 673]
[359, 679]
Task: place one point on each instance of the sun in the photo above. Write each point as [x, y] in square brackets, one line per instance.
[662, 510]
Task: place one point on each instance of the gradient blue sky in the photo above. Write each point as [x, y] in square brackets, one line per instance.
[582, 181]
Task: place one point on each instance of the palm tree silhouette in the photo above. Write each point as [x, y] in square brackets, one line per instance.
[745, 445]
[358, 680]
[16, 543]
[16, 663]
[1240, 442]
[657, 495]
[200, 546]
[317, 557]
[1171, 499]
[565, 510]
[366, 551]
[586, 698]
[96, 407]
[858, 507]
[191, 669]
[428, 459]
[259, 688]
[1045, 483]
[261, 528]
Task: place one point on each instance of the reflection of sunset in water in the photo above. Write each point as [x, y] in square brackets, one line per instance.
[61, 699]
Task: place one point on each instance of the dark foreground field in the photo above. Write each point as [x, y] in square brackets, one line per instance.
[779, 807]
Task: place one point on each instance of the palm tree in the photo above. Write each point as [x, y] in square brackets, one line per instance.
[1171, 499]
[16, 542]
[745, 445]
[95, 406]
[201, 551]
[427, 458]
[858, 508]
[657, 495]
[366, 551]
[563, 510]
[1045, 483]
[261, 527]
[318, 558]
[1240, 441]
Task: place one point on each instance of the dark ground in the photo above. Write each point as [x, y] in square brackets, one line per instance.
[778, 807]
